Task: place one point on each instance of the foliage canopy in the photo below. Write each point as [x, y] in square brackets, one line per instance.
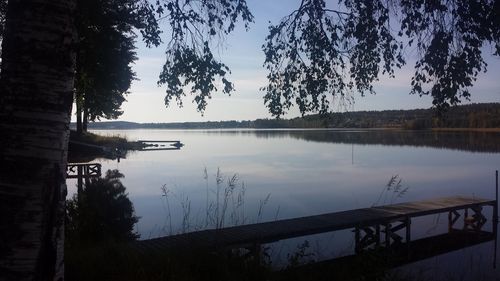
[189, 55]
[322, 52]
[106, 49]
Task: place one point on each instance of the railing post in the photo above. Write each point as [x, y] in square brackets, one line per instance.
[79, 179]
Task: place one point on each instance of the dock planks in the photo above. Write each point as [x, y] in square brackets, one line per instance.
[267, 232]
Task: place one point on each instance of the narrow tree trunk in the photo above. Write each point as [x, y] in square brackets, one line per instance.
[85, 119]
[79, 128]
[36, 94]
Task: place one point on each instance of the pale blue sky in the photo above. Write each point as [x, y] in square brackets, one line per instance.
[243, 54]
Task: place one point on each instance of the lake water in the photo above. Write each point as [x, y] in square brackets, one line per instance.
[293, 173]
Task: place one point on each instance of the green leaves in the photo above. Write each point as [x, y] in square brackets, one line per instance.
[185, 67]
[450, 39]
[318, 55]
[190, 64]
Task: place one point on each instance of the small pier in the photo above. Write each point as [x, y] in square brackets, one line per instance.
[83, 171]
[375, 227]
[152, 145]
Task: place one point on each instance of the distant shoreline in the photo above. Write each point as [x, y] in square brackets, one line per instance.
[483, 117]
[489, 130]
[254, 129]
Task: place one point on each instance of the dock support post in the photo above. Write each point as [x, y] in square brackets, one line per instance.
[408, 230]
[86, 172]
[495, 209]
[357, 237]
[377, 233]
[495, 221]
[80, 180]
[388, 235]
[408, 238]
[257, 253]
[449, 222]
[466, 215]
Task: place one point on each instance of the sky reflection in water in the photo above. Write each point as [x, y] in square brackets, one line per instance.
[305, 172]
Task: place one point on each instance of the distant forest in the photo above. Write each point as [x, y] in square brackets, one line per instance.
[484, 115]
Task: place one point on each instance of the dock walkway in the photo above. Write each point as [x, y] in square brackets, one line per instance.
[368, 223]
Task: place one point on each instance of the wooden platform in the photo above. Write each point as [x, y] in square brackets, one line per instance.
[83, 170]
[267, 232]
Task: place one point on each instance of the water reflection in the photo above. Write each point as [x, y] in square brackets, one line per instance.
[312, 172]
[100, 212]
[473, 141]
[377, 264]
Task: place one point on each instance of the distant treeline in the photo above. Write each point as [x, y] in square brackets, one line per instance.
[484, 115]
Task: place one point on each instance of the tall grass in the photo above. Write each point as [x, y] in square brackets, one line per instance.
[96, 139]
[224, 204]
[392, 191]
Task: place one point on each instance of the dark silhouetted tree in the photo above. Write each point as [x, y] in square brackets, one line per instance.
[36, 93]
[106, 50]
[320, 53]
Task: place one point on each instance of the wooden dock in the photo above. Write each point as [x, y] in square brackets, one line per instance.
[155, 145]
[85, 170]
[373, 227]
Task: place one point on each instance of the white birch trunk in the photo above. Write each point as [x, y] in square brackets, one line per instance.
[36, 94]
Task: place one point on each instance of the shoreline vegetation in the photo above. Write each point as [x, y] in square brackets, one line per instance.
[478, 117]
[481, 118]
[121, 260]
[87, 146]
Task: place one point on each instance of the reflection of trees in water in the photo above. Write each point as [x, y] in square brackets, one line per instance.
[459, 140]
[101, 213]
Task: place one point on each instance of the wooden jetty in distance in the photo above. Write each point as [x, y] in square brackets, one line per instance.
[149, 145]
[167, 141]
[375, 227]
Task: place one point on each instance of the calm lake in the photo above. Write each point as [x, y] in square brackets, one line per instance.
[292, 173]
